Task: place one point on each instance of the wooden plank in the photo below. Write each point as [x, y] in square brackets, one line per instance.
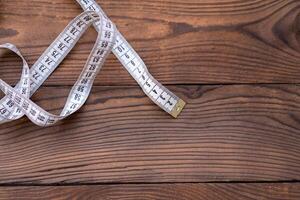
[221, 191]
[218, 41]
[226, 133]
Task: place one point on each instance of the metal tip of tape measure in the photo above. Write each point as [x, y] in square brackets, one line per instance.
[178, 108]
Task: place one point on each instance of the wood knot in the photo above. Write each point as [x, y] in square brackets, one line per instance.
[288, 29]
[7, 32]
[297, 28]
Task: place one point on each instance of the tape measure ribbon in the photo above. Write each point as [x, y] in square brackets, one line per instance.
[17, 101]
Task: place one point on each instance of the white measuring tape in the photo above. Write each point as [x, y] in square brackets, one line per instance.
[17, 101]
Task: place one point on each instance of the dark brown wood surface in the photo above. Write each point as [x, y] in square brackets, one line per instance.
[226, 133]
[238, 138]
[218, 41]
[157, 191]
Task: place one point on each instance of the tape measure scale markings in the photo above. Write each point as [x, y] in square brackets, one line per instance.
[17, 101]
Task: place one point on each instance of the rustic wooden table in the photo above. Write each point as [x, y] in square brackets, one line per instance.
[236, 63]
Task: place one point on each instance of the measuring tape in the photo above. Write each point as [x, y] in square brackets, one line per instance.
[17, 103]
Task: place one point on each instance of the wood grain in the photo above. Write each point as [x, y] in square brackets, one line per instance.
[218, 41]
[236, 63]
[267, 191]
[226, 133]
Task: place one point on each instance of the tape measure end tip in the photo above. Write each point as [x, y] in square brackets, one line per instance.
[178, 108]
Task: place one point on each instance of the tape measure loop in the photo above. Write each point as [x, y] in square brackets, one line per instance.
[17, 101]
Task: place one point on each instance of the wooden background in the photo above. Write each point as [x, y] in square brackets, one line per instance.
[238, 138]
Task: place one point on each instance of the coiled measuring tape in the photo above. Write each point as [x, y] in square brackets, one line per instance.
[17, 103]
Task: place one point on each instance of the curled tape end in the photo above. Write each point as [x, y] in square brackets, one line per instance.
[178, 108]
